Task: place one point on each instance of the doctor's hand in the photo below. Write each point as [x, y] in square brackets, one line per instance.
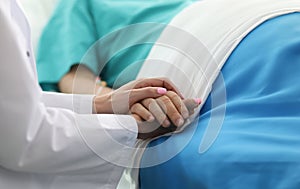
[121, 100]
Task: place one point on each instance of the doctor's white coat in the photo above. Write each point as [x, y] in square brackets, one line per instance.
[50, 140]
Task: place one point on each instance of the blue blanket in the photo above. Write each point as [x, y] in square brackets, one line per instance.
[259, 143]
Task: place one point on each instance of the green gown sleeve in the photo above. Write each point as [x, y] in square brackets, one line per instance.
[65, 40]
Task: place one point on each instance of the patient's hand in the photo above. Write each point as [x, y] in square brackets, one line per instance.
[81, 80]
[169, 111]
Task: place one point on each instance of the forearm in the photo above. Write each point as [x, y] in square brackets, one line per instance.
[81, 80]
[37, 138]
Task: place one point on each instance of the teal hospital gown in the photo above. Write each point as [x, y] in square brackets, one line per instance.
[112, 38]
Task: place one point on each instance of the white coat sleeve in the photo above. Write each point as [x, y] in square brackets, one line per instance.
[41, 138]
[81, 104]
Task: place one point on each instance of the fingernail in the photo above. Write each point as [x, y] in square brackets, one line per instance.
[161, 90]
[166, 123]
[151, 118]
[198, 100]
[185, 115]
[179, 122]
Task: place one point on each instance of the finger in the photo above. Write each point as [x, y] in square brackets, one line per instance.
[191, 104]
[137, 117]
[178, 103]
[156, 111]
[137, 95]
[170, 110]
[158, 82]
[141, 111]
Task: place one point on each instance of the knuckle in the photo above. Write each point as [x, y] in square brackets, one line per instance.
[164, 100]
[151, 101]
[150, 90]
[146, 102]
[154, 107]
[135, 107]
[139, 83]
[172, 95]
[165, 79]
[182, 107]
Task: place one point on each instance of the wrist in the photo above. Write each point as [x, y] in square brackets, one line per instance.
[100, 86]
[102, 104]
[94, 109]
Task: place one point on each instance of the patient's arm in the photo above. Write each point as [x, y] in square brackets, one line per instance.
[81, 80]
[166, 110]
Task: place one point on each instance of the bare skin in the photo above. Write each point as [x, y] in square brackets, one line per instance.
[153, 128]
[80, 80]
[159, 112]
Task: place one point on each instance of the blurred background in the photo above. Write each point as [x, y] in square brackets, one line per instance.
[38, 13]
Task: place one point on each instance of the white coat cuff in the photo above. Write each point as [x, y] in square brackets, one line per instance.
[82, 104]
[118, 134]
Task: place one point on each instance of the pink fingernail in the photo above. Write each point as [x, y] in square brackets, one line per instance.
[198, 100]
[161, 91]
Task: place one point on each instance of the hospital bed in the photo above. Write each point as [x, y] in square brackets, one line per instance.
[247, 61]
[255, 97]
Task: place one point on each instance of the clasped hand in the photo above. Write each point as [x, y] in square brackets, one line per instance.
[155, 103]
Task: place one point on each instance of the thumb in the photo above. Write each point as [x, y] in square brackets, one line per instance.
[191, 104]
[137, 95]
